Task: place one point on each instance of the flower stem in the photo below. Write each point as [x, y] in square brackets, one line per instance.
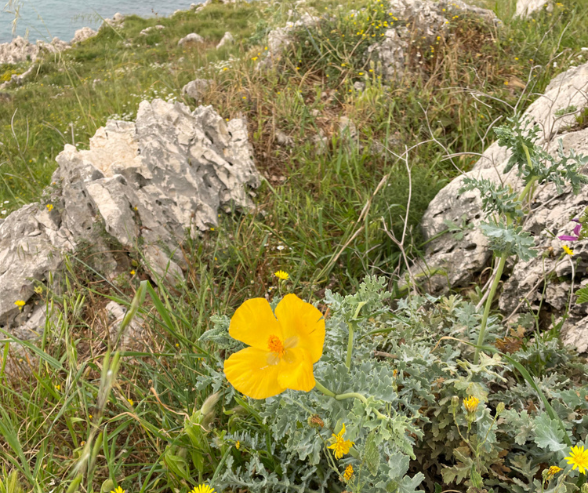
[349, 395]
[350, 345]
[501, 262]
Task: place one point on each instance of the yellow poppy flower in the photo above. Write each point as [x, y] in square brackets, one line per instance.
[340, 446]
[283, 347]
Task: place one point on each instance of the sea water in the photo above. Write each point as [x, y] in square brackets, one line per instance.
[44, 19]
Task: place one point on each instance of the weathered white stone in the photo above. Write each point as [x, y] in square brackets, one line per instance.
[227, 39]
[191, 39]
[280, 38]
[150, 29]
[527, 7]
[144, 184]
[83, 34]
[552, 211]
[196, 89]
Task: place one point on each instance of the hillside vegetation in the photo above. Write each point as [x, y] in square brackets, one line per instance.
[325, 214]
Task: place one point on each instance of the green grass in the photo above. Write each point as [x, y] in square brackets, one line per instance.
[325, 209]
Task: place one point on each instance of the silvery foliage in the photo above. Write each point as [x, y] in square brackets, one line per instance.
[424, 349]
[502, 205]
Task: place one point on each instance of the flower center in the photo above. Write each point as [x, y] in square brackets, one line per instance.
[274, 344]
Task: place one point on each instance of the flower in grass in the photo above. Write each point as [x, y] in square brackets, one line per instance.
[131, 402]
[281, 275]
[348, 474]
[340, 446]
[20, 304]
[118, 489]
[283, 347]
[49, 207]
[578, 458]
[471, 404]
[132, 273]
[576, 235]
[202, 488]
[238, 445]
[568, 250]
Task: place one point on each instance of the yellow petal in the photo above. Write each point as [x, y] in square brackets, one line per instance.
[301, 319]
[251, 374]
[295, 370]
[253, 323]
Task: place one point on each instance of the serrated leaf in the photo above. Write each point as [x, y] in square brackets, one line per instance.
[548, 434]
[582, 295]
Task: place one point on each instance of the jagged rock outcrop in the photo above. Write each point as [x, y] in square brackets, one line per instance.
[83, 34]
[150, 29]
[460, 261]
[20, 50]
[280, 38]
[143, 184]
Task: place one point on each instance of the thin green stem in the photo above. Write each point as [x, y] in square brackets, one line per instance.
[501, 262]
[349, 395]
[350, 345]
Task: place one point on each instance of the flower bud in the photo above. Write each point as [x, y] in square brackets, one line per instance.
[499, 408]
[209, 403]
[315, 421]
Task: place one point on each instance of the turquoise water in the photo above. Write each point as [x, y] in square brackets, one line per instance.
[44, 19]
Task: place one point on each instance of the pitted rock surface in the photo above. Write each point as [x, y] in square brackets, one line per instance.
[452, 263]
[145, 184]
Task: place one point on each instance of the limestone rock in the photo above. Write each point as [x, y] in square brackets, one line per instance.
[190, 39]
[83, 34]
[150, 29]
[143, 184]
[283, 139]
[196, 89]
[527, 7]
[227, 39]
[20, 50]
[552, 211]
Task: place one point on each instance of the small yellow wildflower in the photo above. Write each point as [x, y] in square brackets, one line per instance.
[39, 289]
[133, 273]
[238, 445]
[578, 458]
[471, 404]
[202, 488]
[20, 304]
[552, 471]
[118, 489]
[348, 474]
[283, 276]
[49, 207]
[131, 402]
[58, 387]
[254, 58]
[340, 446]
[567, 250]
